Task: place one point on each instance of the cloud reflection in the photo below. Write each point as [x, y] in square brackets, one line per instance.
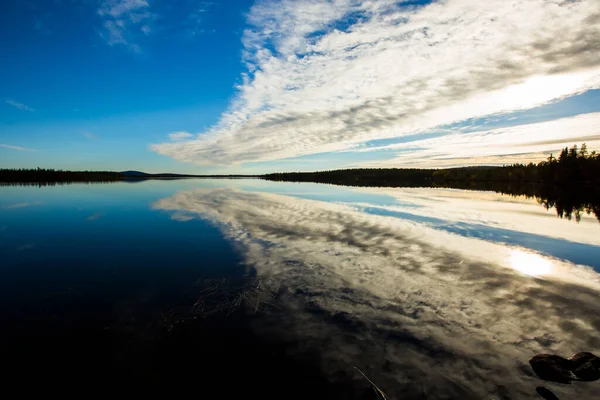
[21, 205]
[530, 264]
[426, 313]
[491, 209]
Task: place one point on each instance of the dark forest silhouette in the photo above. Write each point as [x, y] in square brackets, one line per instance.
[51, 177]
[41, 176]
[572, 166]
[569, 183]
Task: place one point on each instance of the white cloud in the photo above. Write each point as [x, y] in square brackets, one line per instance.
[521, 143]
[326, 76]
[176, 136]
[20, 106]
[19, 148]
[124, 20]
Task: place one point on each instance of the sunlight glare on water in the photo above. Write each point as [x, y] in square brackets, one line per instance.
[530, 263]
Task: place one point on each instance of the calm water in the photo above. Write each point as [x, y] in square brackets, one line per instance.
[247, 288]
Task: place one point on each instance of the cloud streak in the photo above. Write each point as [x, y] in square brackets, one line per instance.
[20, 106]
[327, 76]
[22, 205]
[18, 148]
[176, 136]
[521, 143]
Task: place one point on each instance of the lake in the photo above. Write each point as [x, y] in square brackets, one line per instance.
[248, 288]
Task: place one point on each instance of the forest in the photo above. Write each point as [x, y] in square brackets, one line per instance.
[573, 166]
[53, 176]
[50, 177]
[570, 183]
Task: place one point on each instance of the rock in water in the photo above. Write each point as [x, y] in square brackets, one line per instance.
[552, 368]
[579, 367]
[546, 393]
[585, 366]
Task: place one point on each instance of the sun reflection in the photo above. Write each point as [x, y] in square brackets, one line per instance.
[530, 263]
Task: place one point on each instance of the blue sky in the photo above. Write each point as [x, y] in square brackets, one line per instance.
[258, 86]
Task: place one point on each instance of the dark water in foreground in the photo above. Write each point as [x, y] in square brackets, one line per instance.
[246, 288]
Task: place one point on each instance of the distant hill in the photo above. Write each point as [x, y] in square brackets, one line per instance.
[133, 173]
[166, 175]
[145, 175]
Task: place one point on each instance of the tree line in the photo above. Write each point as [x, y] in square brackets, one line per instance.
[45, 177]
[572, 166]
[570, 183]
[49, 176]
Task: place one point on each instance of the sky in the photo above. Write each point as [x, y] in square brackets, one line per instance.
[243, 86]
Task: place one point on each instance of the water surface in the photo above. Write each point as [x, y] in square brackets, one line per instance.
[286, 289]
